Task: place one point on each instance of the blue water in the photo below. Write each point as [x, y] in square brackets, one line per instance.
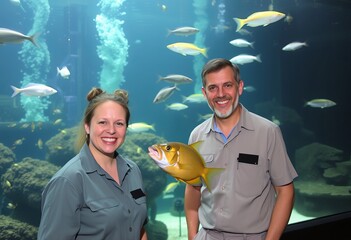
[284, 81]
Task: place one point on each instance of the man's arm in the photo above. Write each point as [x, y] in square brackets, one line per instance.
[281, 212]
[192, 198]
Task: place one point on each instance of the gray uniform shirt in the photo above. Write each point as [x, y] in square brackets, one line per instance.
[254, 159]
[82, 201]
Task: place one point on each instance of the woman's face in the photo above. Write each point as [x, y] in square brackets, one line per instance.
[107, 129]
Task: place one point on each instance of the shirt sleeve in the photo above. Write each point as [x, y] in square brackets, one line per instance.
[60, 210]
[281, 168]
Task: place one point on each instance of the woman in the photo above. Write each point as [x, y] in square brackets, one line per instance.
[98, 194]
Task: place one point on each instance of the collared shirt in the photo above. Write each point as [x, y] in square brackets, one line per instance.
[82, 201]
[254, 160]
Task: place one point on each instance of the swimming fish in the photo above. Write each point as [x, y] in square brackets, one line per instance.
[177, 106]
[249, 88]
[140, 127]
[164, 94]
[34, 89]
[183, 31]
[320, 103]
[294, 46]
[183, 162]
[176, 79]
[11, 36]
[171, 187]
[256, 19]
[239, 42]
[64, 72]
[245, 58]
[194, 98]
[187, 49]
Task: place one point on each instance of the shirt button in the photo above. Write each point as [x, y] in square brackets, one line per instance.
[128, 210]
[130, 229]
[223, 188]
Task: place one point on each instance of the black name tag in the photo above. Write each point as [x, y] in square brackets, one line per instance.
[137, 193]
[248, 158]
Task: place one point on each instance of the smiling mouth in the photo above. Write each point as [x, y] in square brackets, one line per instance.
[109, 139]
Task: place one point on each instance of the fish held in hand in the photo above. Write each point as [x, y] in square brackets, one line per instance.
[183, 162]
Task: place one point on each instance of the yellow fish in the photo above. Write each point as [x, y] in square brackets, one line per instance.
[259, 19]
[187, 49]
[183, 162]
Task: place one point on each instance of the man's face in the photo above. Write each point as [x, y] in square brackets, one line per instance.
[222, 92]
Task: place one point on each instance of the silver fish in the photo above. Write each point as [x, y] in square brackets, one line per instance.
[164, 94]
[183, 31]
[34, 89]
[176, 79]
[11, 36]
[244, 58]
[320, 103]
[294, 46]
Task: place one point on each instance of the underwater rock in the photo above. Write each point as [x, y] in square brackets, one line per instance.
[312, 160]
[16, 230]
[323, 186]
[315, 198]
[156, 230]
[60, 148]
[7, 158]
[23, 184]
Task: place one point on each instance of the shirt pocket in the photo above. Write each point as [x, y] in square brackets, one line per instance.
[101, 204]
[251, 177]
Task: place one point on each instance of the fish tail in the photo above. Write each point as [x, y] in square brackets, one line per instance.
[239, 23]
[258, 57]
[15, 91]
[58, 70]
[208, 175]
[204, 52]
[33, 39]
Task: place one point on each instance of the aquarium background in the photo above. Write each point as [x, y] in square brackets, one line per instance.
[122, 44]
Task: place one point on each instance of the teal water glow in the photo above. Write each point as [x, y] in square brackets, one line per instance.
[36, 61]
[113, 48]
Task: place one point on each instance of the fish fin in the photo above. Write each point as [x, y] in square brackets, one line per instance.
[33, 39]
[195, 181]
[208, 175]
[58, 71]
[15, 91]
[258, 57]
[196, 145]
[204, 52]
[240, 23]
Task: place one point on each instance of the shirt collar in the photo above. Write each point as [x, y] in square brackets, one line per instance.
[245, 122]
[90, 165]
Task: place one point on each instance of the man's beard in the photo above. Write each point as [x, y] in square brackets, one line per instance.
[229, 112]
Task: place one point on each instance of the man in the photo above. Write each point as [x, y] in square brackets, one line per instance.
[252, 198]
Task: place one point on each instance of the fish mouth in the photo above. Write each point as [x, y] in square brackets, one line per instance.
[154, 153]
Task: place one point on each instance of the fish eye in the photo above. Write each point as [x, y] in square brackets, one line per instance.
[168, 147]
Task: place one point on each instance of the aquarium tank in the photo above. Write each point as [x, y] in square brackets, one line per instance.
[296, 72]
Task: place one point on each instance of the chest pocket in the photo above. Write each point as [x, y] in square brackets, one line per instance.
[251, 176]
[102, 204]
[139, 196]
